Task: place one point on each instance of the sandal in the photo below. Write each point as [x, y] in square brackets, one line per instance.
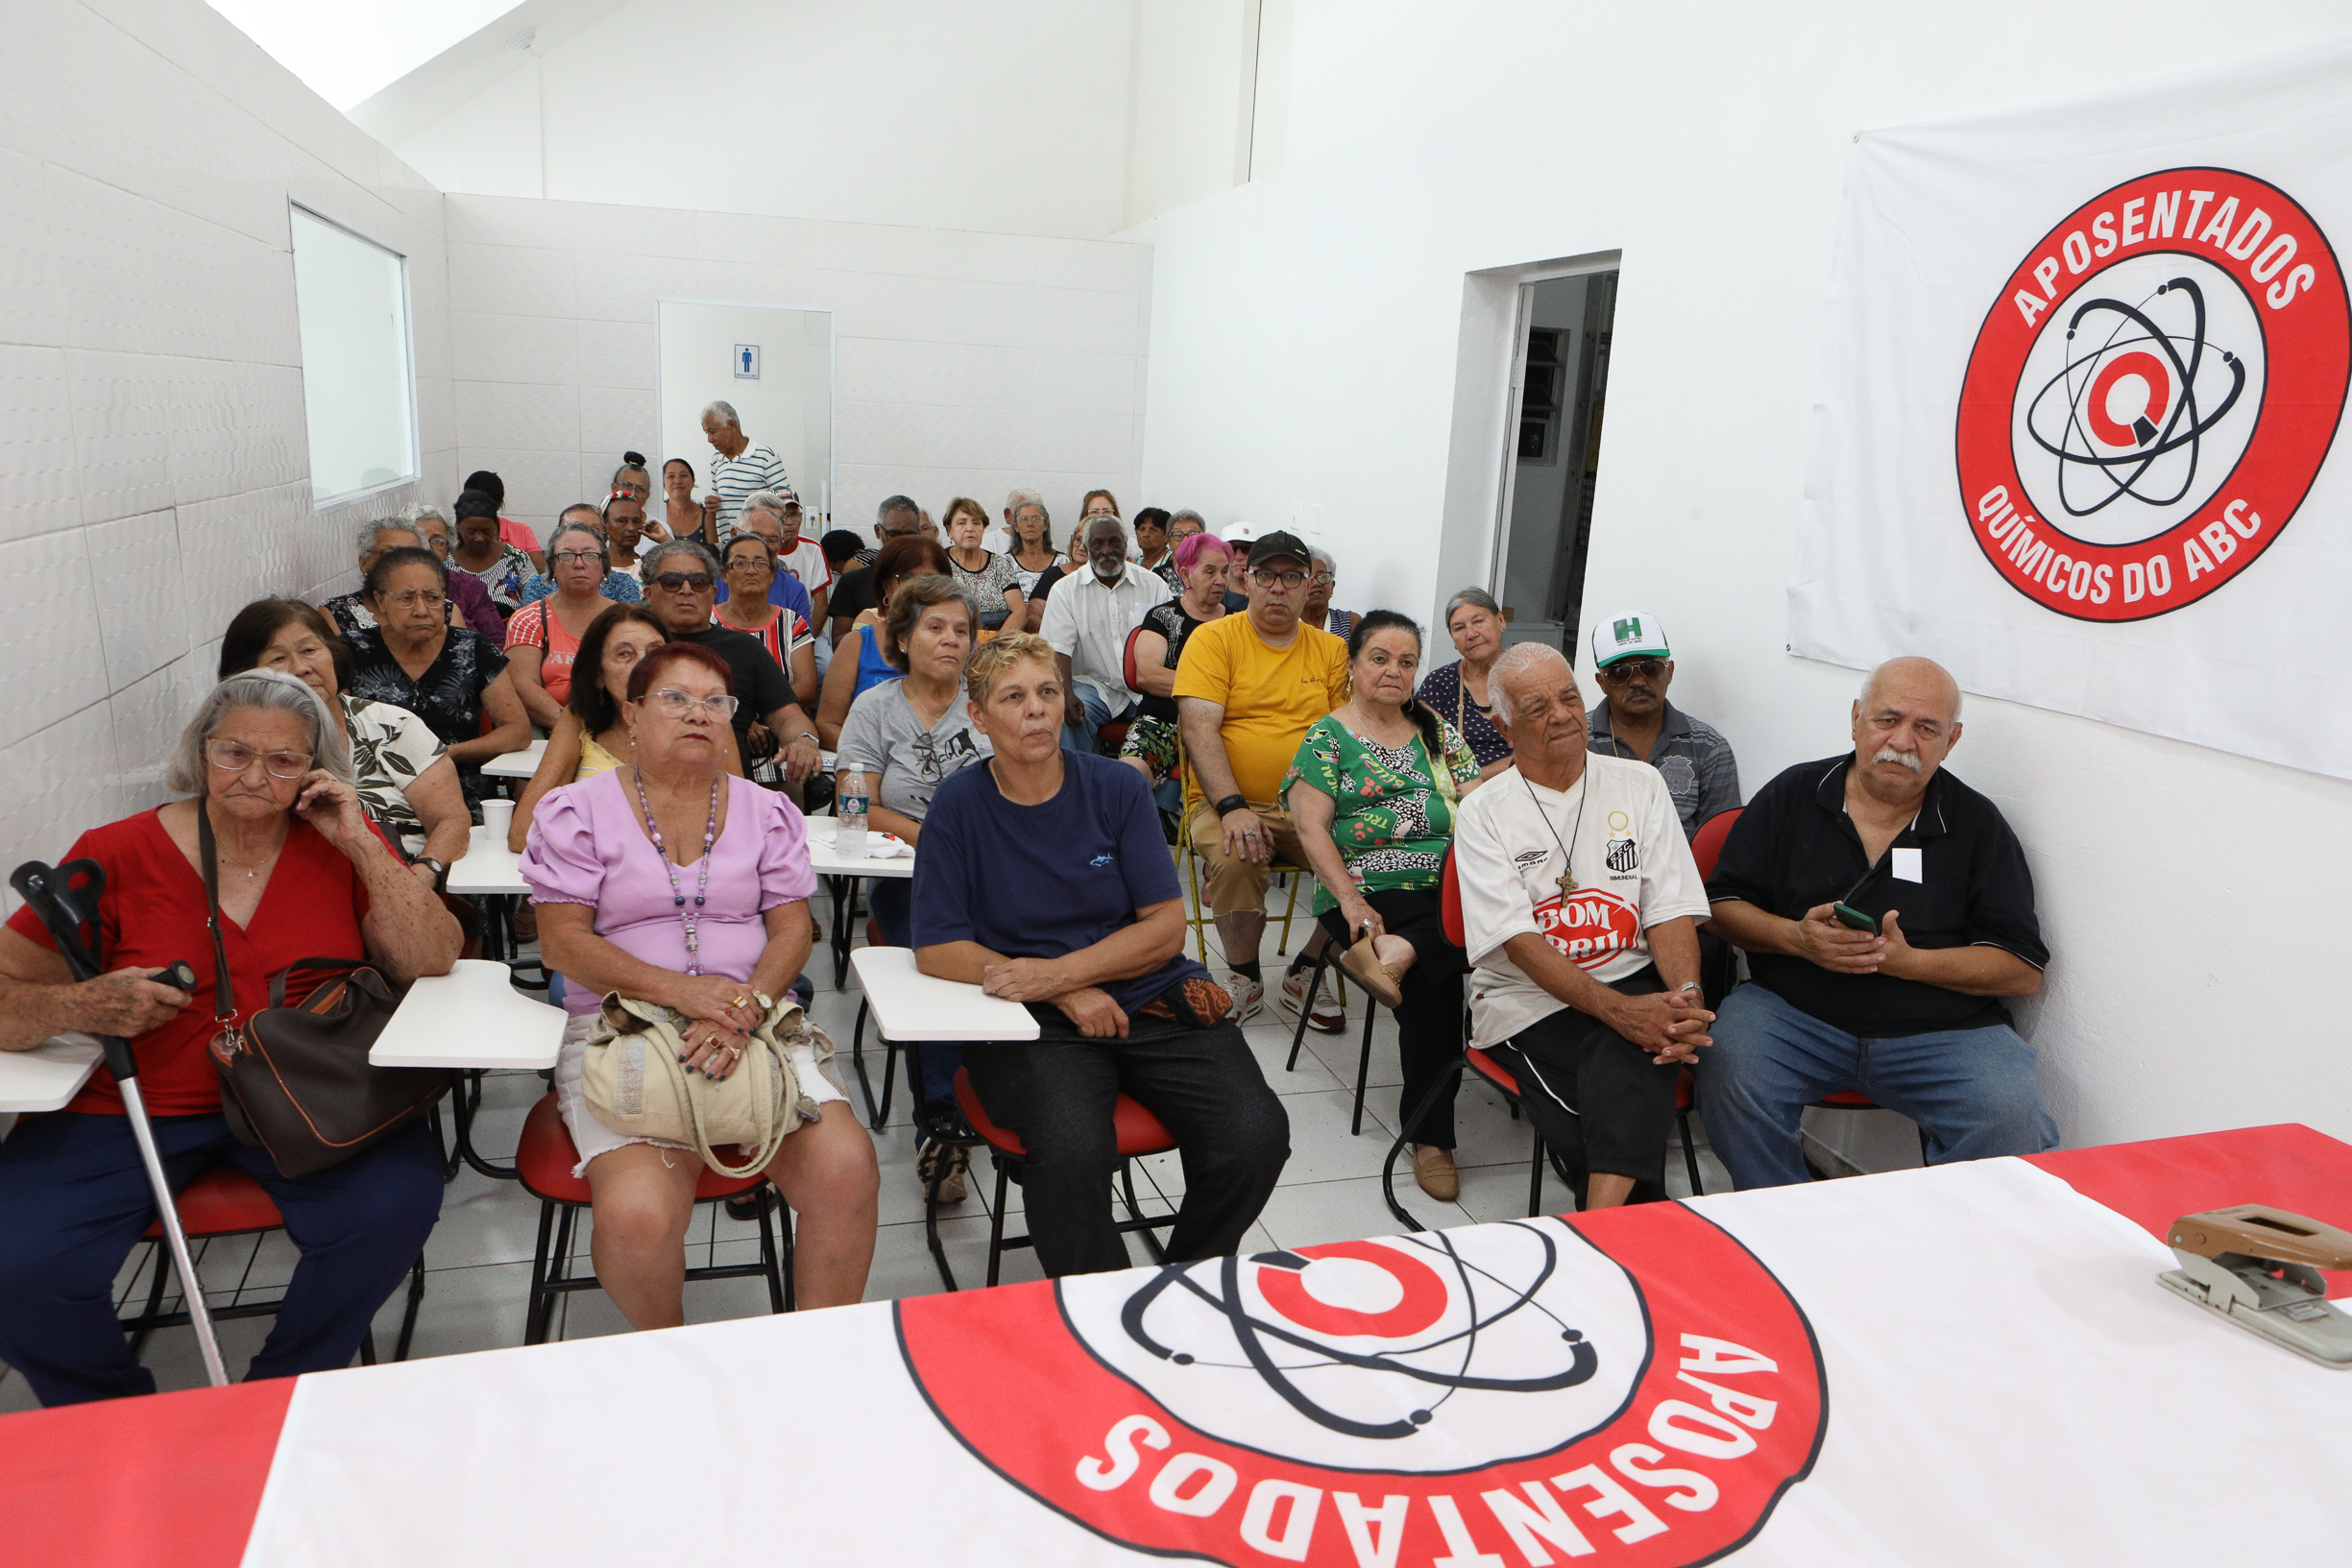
[1371, 974]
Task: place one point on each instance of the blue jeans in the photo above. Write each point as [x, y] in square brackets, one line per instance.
[931, 1067]
[76, 1201]
[1971, 1091]
[1098, 713]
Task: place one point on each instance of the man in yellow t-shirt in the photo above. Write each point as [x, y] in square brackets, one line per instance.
[1248, 688]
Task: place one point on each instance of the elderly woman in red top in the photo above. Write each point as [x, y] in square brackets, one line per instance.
[302, 874]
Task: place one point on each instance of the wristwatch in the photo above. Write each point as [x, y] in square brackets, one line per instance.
[440, 872]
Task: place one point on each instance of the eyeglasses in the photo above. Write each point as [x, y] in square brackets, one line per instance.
[676, 704]
[235, 756]
[575, 558]
[678, 581]
[1270, 579]
[419, 596]
[1649, 669]
[1325, 577]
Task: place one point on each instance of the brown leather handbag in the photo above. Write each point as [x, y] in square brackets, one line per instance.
[294, 1079]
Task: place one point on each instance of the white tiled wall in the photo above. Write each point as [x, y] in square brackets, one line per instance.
[154, 462]
[967, 363]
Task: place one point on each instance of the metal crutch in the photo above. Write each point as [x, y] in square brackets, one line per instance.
[65, 899]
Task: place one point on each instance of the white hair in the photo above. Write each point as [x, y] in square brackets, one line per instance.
[1869, 683]
[186, 772]
[371, 532]
[555, 538]
[1020, 498]
[768, 501]
[1320, 557]
[649, 563]
[1184, 514]
[1516, 658]
[724, 409]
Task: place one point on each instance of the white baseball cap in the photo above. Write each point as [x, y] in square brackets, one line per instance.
[1629, 634]
[1237, 533]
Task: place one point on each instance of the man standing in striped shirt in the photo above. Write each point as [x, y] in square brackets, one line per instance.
[741, 466]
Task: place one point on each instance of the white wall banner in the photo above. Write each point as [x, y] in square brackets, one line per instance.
[2077, 433]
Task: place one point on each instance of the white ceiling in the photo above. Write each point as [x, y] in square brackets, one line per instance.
[344, 49]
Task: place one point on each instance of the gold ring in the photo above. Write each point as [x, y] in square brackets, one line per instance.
[739, 1001]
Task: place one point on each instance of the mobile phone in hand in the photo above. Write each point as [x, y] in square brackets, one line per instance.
[1854, 919]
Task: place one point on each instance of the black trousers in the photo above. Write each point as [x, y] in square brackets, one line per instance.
[1429, 1018]
[1057, 1093]
[1602, 1104]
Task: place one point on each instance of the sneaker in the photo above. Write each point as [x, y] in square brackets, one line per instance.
[1248, 999]
[1330, 1015]
[945, 1162]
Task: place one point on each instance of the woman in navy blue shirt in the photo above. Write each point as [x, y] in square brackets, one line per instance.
[1093, 943]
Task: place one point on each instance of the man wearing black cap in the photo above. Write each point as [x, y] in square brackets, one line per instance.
[1248, 688]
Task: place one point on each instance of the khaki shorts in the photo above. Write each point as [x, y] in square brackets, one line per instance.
[1237, 886]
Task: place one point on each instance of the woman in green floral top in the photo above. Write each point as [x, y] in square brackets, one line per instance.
[1373, 792]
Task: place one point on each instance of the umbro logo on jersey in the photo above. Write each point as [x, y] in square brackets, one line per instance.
[1531, 857]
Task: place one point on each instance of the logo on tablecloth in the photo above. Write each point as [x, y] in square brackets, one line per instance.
[2152, 393]
[1636, 1384]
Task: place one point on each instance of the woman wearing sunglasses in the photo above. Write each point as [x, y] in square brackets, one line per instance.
[669, 880]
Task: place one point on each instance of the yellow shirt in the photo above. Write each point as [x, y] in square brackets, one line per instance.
[1271, 697]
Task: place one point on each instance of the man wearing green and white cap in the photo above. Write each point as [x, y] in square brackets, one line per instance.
[1634, 719]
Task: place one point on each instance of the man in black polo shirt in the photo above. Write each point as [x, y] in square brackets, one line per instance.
[1910, 1015]
[681, 581]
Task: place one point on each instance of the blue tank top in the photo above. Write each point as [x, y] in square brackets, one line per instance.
[872, 668]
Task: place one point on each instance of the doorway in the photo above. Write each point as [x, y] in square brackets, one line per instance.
[1560, 383]
[773, 364]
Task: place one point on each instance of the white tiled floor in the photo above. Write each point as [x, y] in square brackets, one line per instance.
[478, 1260]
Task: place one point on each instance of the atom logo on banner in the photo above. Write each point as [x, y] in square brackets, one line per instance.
[1515, 1388]
[2152, 394]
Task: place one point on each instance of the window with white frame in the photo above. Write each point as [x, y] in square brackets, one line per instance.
[358, 381]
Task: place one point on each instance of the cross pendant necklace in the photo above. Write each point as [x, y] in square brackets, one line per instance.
[1567, 854]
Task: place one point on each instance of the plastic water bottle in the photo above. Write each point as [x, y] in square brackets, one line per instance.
[849, 811]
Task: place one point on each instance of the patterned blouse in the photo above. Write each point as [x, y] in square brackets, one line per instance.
[1444, 695]
[503, 578]
[1394, 818]
[986, 587]
[617, 586]
[448, 696]
[391, 748]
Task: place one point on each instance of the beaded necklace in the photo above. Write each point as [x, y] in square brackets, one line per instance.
[677, 895]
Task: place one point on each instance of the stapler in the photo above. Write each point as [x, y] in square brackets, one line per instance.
[2259, 1267]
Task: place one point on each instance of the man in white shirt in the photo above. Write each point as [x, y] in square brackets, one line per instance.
[1581, 904]
[740, 467]
[804, 558]
[1001, 537]
[1087, 619]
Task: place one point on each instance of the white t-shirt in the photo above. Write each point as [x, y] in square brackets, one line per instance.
[806, 561]
[1633, 870]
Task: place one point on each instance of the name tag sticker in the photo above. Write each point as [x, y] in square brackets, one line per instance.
[1906, 867]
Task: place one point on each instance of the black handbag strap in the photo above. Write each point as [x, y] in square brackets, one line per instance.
[224, 989]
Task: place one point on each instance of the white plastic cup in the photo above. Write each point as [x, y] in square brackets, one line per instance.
[498, 816]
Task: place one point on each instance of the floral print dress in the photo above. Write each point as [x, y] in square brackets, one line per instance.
[1392, 809]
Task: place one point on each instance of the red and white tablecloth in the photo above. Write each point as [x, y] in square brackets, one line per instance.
[1972, 1365]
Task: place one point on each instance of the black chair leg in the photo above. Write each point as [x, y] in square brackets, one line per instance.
[1534, 1178]
[155, 1300]
[768, 1260]
[1388, 1166]
[1364, 1063]
[1315, 986]
[857, 1060]
[996, 1216]
[1690, 1154]
[931, 1224]
[409, 1317]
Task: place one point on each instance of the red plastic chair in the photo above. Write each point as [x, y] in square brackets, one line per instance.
[224, 1201]
[1500, 1076]
[544, 1160]
[1706, 846]
[1139, 1132]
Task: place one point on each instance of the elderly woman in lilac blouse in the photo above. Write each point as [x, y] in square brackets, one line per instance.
[672, 881]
